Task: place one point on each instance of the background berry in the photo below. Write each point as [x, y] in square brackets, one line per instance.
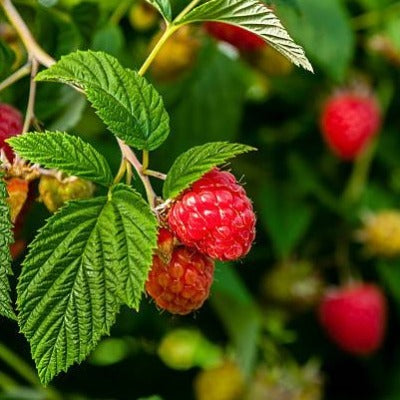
[215, 216]
[237, 37]
[355, 317]
[11, 124]
[183, 284]
[348, 122]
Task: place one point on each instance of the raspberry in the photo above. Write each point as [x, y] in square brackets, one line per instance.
[215, 216]
[381, 233]
[17, 195]
[238, 37]
[11, 124]
[182, 284]
[355, 317]
[349, 120]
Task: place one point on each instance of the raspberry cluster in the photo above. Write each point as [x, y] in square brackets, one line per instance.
[212, 220]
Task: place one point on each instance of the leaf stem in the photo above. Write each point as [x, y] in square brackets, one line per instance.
[121, 171]
[187, 9]
[30, 110]
[145, 161]
[155, 174]
[359, 176]
[16, 76]
[34, 50]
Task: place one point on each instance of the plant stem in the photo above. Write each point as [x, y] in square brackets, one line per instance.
[145, 161]
[121, 171]
[30, 110]
[359, 175]
[165, 36]
[155, 174]
[34, 50]
[16, 76]
[187, 9]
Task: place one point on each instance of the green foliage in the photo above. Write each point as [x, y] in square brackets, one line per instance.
[164, 7]
[130, 107]
[74, 278]
[323, 28]
[7, 58]
[6, 239]
[64, 152]
[255, 17]
[193, 164]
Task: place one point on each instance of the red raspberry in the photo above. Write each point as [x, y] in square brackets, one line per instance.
[355, 317]
[215, 216]
[349, 120]
[182, 284]
[11, 124]
[238, 37]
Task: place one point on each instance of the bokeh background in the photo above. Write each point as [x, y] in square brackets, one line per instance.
[260, 323]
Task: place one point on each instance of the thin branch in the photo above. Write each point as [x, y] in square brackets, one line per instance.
[155, 174]
[16, 76]
[34, 50]
[30, 111]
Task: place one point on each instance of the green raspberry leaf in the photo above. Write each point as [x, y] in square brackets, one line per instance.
[164, 7]
[64, 152]
[193, 164]
[255, 17]
[78, 273]
[130, 106]
[6, 239]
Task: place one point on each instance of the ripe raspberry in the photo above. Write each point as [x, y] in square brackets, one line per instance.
[355, 317]
[10, 125]
[381, 233]
[238, 37]
[182, 284]
[349, 120]
[215, 216]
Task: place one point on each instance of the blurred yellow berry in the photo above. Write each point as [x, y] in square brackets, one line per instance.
[176, 56]
[143, 16]
[381, 233]
[222, 383]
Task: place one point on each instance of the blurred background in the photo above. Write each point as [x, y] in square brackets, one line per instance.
[258, 337]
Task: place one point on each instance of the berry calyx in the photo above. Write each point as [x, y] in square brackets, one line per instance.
[348, 122]
[355, 317]
[238, 37]
[182, 284]
[11, 124]
[215, 216]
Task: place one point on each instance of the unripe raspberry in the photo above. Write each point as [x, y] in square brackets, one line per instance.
[221, 383]
[349, 120]
[215, 216]
[55, 193]
[11, 124]
[355, 317]
[381, 233]
[238, 37]
[143, 16]
[176, 56]
[17, 195]
[182, 284]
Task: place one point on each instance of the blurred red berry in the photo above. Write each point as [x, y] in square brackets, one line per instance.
[11, 124]
[355, 317]
[238, 37]
[215, 216]
[349, 120]
[181, 284]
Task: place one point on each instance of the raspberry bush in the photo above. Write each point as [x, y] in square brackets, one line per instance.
[199, 199]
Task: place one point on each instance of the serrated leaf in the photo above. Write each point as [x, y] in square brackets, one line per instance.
[193, 164]
[64, 152]
[129, 105]
[255, 17]
[70, 287]
[6, 239]
[134, 227]
[164, 7]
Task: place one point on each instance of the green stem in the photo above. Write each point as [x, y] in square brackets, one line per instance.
[121, 171]
[19, 366]
[359, 176]
[16, 76]
[187, 9]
